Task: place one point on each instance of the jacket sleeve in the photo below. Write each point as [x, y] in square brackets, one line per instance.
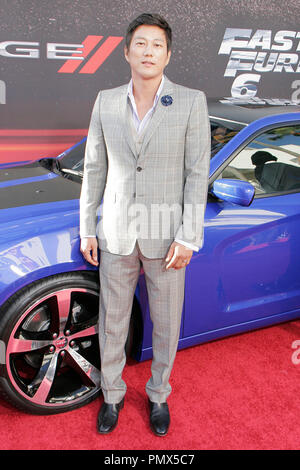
[196, 173]
[94, 175]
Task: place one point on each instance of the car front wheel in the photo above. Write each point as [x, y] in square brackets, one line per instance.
[49, 329]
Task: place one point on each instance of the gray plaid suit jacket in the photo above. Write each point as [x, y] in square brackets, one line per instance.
[152, 195]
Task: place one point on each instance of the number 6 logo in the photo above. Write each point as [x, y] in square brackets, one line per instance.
[244, 85]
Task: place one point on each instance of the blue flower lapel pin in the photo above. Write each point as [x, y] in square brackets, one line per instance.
[166, 100]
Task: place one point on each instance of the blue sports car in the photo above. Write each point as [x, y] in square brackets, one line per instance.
[246, 276]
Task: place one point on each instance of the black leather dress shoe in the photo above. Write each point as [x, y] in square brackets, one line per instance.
[108, 416]
[159, 418]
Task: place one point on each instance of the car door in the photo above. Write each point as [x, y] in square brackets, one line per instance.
[248, 272]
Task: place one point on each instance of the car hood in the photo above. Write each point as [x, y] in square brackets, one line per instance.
[32, 184]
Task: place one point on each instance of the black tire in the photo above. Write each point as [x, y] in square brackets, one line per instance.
[50, 334]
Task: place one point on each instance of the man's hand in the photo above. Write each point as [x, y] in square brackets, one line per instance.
[89, 249]
[178, 256]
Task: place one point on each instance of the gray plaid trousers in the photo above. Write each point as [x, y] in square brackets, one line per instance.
[119, 275]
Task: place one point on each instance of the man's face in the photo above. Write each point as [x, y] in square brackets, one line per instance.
[147, 54]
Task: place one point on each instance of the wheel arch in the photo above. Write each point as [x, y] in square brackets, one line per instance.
[21, 281]
[135, 337]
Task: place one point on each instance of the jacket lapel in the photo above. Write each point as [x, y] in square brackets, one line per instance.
[125, 117]
[159, 113]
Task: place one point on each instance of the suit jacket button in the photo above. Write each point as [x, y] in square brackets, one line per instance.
[139, 168]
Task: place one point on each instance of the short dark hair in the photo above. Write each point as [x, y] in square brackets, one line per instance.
[151, 19]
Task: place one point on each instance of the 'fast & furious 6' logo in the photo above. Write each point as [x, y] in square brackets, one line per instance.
[255, 54]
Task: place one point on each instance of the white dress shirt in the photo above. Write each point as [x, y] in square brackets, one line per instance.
[140, 125]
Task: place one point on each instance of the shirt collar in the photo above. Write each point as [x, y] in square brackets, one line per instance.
[130, 91]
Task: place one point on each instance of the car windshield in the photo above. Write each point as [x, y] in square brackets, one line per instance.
[73, 160]
[221, 133]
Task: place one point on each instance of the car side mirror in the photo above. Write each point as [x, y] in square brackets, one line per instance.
[235, 191]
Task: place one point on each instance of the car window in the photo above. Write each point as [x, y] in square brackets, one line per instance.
[270, 162]
[221, 133]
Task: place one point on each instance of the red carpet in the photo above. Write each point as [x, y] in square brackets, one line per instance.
[241, 392]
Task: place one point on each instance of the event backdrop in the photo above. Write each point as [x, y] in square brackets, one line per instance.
[56, 54]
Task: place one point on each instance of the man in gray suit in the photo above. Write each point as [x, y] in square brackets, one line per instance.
[147, 155]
